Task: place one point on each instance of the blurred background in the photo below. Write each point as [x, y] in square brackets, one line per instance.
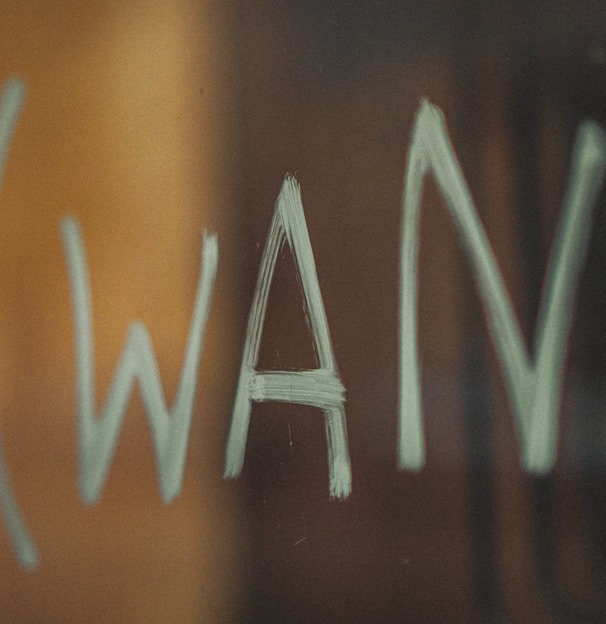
[154, 121]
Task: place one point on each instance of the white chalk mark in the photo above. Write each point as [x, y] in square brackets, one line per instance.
[25, 548]
[11, 103]
[320, 387]
[98, 436]
[533, 384]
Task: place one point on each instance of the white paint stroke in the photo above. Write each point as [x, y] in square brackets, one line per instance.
[98, 435]
[320, 387]
[11, 103]
[533, 382]
[25, 548]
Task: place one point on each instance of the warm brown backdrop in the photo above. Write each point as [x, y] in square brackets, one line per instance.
[126, 127]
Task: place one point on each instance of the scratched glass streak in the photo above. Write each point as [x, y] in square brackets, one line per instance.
[533, 382]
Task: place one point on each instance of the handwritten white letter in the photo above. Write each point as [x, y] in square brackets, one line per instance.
[321, 387]
[97, 436]
[533, 384]
[11, 103]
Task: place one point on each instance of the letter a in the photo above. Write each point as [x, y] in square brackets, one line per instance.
[321, 387]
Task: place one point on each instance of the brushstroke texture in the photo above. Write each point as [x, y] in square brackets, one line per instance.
[319, 388]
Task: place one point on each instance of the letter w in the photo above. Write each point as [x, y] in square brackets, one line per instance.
[533, 383]
[98, 436]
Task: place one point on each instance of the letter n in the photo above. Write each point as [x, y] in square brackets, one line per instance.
[320, 387]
